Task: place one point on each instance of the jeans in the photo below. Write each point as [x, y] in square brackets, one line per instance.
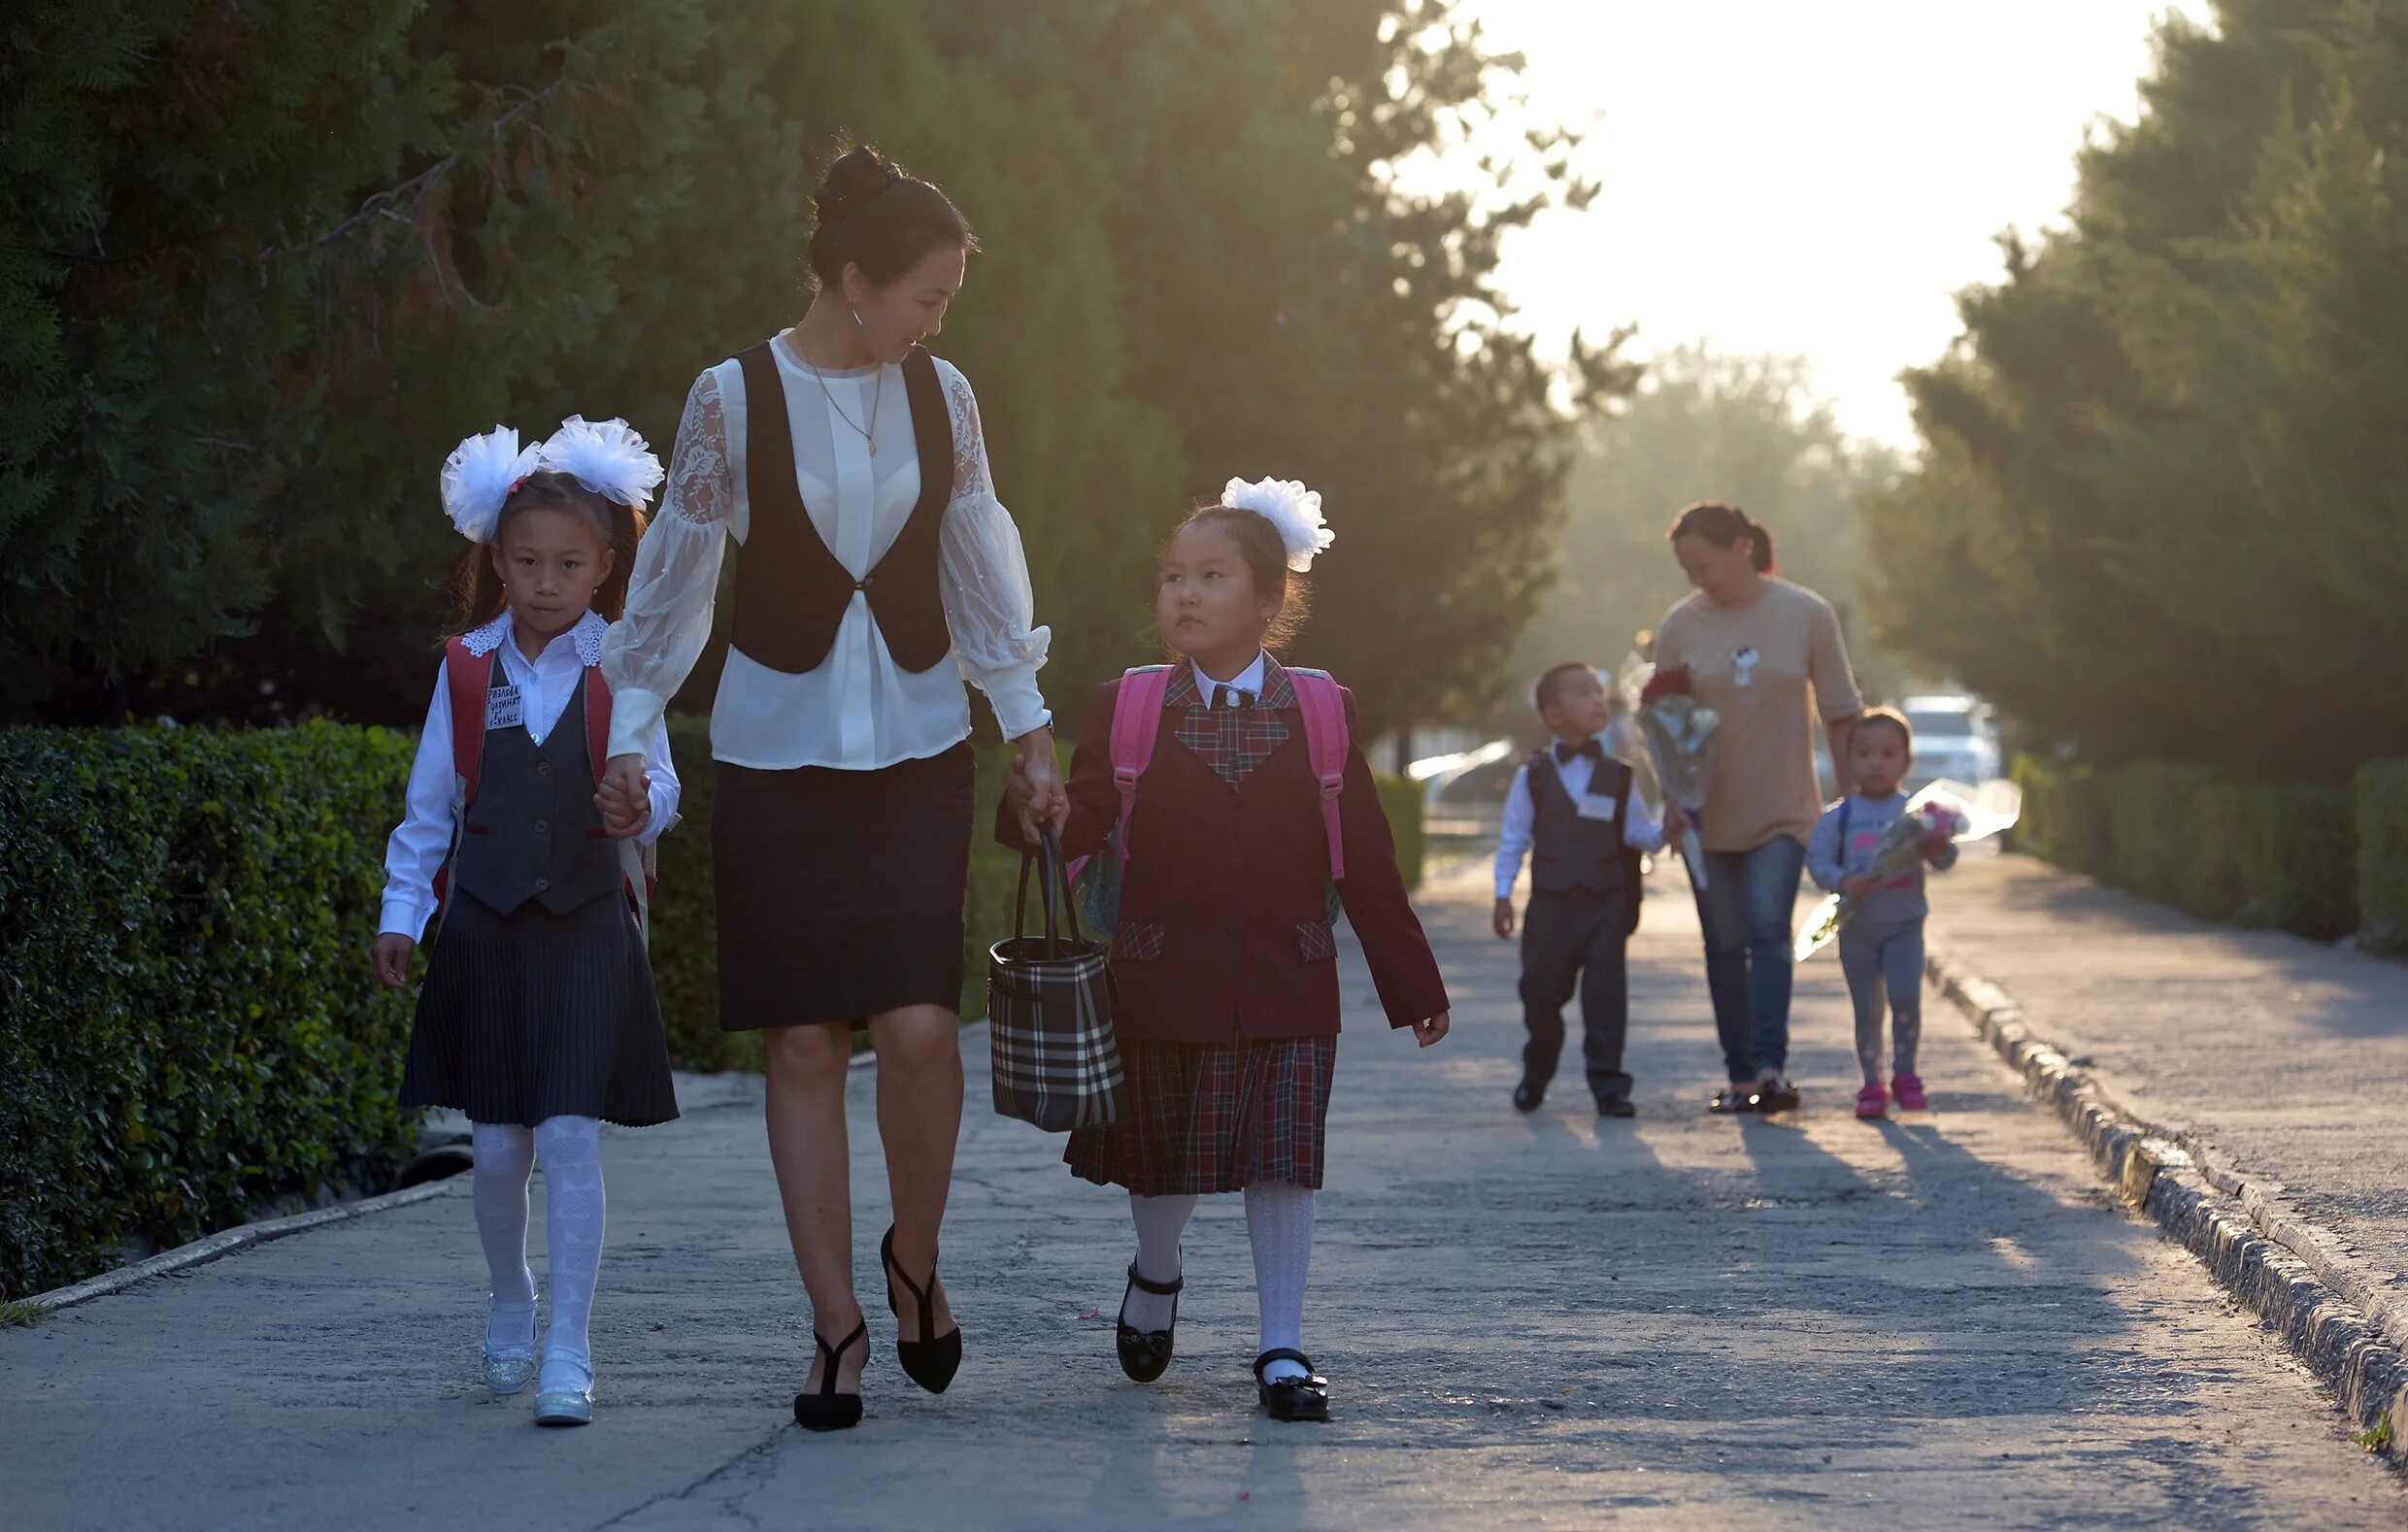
[1885, 961]
[1745, 907]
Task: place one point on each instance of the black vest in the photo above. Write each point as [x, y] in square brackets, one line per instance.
[533, 831]
[1570, 854]
[791, 592]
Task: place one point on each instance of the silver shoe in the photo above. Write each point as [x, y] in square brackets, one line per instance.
[509, 1369]
[564, 1407]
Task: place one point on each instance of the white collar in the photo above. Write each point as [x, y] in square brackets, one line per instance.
[587, 635]
[1248, 680]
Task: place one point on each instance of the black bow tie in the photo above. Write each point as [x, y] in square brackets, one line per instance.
[1594, 751]
[1228, 696]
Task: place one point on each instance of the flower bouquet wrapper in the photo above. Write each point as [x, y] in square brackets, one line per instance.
[1965, 814]
[1678, 730]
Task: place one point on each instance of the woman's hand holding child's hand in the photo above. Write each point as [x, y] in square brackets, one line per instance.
[1503, 924]
[1425, 1033]
[624, 797]
[391, 954]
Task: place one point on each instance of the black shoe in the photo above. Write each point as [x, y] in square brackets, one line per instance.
[827, 1410]
[1732, 1099]
[1776, 1095]
[1616, 1107]
[1305, 1398]
[932, 1360]
[1529, 1097]
[1146, 1353]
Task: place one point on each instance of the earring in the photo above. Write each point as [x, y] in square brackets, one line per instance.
[856, 317]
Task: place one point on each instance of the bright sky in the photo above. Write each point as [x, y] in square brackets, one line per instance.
[1808, 177]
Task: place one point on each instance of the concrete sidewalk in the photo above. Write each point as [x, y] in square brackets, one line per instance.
[1527, 1321]
[2283, 1060]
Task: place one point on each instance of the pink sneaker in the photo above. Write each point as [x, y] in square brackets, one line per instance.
[1873, 1101]
[1911, 1097]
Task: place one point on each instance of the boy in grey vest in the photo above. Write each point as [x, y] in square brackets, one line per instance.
[1574, 812]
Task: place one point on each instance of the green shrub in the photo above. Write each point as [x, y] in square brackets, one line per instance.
[190, 1024]
[1401, 799]
[685, 911]
[2175, 837]
[2296, 851]
[2065, 818]
[2381, 816]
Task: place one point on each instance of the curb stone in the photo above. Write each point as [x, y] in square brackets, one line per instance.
[2339, 1315]
[201, 1252]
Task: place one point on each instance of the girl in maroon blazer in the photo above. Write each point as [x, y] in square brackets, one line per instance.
[1224, 959]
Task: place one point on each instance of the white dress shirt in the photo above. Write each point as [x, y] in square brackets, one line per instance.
[1248, 680]
[1641, 831]
[858, 711]
[547, 684]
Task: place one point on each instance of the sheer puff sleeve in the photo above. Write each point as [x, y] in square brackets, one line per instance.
[651, 650]
[983, 572]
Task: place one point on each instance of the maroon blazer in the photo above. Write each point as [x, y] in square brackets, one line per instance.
[1225, 919]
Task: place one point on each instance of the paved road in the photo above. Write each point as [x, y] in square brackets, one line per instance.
[2289, 1058]
[1530, 1321]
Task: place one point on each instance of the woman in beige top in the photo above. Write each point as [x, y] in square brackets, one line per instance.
[1767, 655]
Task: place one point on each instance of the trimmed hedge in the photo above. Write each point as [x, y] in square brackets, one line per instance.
[190, 1026]
[2382, 801]
[2272, 856]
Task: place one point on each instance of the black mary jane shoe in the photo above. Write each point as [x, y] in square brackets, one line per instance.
[1145, 1354]
[1732, 1099]
[827, 1410]
[1529, 1097]
[1305, 1398]
[932, 1360]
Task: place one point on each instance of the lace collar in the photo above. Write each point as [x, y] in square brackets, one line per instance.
[588, 635]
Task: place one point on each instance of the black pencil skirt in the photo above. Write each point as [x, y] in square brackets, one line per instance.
[841, 892]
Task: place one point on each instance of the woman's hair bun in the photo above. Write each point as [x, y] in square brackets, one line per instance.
[857, 175]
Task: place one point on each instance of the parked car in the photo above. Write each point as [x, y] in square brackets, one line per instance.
[1954, 737]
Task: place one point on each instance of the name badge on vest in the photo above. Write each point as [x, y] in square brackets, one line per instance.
[504, 709]
[1592, 807]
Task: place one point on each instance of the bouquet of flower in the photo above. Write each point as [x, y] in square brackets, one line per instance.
[1943, 809]
[1679, 731]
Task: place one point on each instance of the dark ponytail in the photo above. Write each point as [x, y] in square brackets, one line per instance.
[1723, 525]
[873, 215]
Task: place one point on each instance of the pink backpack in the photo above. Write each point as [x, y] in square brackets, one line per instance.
[1137, 722]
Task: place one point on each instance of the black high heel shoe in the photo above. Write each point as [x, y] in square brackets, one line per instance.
[827, 1410]
[1145, 1354]
[932, 1360]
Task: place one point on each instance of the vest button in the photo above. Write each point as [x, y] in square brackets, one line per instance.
[542, 883]
[543, 827]
[543, 768]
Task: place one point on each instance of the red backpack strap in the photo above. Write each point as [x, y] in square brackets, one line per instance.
[1136, 723]
[471, 677]
[1327, 743]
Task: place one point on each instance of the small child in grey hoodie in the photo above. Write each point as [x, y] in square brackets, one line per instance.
[1881, 947]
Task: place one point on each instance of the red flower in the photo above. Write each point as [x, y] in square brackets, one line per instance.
[1673, 683]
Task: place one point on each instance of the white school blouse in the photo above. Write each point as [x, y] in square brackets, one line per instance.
[858, 711]
[545, 684]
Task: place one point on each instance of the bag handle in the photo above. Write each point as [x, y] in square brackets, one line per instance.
[1056, 876]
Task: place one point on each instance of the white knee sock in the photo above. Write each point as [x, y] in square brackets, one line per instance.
[1278, 1220]
[1159, 1221]
[505, 1154]
[572, 1153]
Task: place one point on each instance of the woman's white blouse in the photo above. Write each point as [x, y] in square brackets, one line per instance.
[859, 711]
[546, 685]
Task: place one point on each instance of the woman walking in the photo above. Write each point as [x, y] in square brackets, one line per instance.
[879, 571]
[1767, 655]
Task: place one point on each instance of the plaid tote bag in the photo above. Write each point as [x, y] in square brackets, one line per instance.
[1049, 1014]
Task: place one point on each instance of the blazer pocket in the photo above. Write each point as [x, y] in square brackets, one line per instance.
[1316, 941]
[1138, 942]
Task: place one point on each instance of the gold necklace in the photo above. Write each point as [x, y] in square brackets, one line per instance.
[877, 396]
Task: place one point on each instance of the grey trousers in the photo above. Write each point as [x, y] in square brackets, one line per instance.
[1884, 962]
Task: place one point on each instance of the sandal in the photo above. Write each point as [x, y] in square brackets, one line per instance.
[1776, 1095]
[1732, 1099]
[1305, 1398]
[827, 1410]
[932, 1360]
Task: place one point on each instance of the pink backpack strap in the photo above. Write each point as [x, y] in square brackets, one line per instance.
[1327, 743]
[1136, 723]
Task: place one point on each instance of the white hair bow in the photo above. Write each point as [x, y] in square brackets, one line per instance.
[478, 477]
[1295, 510]
[605, 457]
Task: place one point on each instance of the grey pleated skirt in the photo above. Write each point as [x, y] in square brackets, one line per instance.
[533, 1015]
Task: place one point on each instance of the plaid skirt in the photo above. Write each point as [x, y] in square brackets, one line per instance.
[1213, 1117]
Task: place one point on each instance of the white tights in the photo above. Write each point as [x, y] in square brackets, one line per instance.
[571, 1151]
[1278, 1224]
